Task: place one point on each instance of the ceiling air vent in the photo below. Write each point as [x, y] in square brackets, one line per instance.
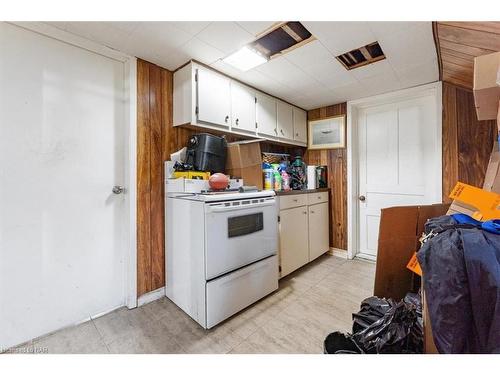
[281, 39]
[362, 56]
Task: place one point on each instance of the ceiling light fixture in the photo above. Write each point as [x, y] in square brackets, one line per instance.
[245, 59]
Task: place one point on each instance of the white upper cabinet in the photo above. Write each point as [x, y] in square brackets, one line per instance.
[299, 125]
[285, 120]
[266, 115]
[206, 98]
[214, 98]
[243, 110]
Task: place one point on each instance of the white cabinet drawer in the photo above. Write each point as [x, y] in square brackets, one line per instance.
[314, 198]
[290, 201]
[231, 293]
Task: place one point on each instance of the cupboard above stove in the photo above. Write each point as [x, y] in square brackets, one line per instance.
[206, 98]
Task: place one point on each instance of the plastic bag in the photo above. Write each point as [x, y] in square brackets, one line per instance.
[399, 330]
[372, 309]
[382, 326]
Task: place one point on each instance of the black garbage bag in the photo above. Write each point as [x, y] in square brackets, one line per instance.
[399, 330]
[382, 326]
[372, 309]
[339, 343]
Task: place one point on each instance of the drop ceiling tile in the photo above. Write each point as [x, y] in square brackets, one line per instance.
[159, 35]
[283, 71]
[341, 37]
[191, 27]
[254, 78]
[409, 47]
[419, 74]
[347, 92]
[110, 34]
[257, 27]
[309, 54]
[225, 36]
[371, 70]
[225, 68]
[201, 51]
[330, 73]
[380, 84]
[125, 26]
[383, 28]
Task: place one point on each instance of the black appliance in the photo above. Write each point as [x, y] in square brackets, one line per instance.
[207, 152]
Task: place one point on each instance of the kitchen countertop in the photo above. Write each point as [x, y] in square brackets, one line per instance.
[307, 191]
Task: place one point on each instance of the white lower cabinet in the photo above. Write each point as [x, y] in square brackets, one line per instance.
[319, 237]
[293, 239]
[304, 230]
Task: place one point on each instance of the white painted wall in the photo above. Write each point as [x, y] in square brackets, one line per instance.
[62, 148]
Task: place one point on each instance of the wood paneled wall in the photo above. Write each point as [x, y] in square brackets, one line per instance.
[467, 142]
[156, 140]
[457, 45]
[336, 161]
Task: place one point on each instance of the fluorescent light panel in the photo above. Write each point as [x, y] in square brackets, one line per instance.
[245, 59]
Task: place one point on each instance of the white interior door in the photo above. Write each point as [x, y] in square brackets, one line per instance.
[398, 160]
[62, 149]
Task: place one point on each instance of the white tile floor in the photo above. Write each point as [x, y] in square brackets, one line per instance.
[310, 303]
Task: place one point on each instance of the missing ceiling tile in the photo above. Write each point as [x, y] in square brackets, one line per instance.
[281, 39]
[362, 56]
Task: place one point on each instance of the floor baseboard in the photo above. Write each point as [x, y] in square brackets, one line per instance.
[151, 296]
[338, 252]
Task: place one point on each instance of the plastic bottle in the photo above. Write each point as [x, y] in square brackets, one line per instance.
[285, 181]
[277, 180]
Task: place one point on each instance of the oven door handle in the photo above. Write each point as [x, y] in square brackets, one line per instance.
[239, 207]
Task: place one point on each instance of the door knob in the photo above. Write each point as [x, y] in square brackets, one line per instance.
[117, 189]
[362, 198]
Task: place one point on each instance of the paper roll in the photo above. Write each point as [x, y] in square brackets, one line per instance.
[311, 177]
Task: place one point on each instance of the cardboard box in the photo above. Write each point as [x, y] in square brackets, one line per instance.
[478, 203]
[244, 160]
[492, 176]
[486, 89]
[400, 229]
[399, 233]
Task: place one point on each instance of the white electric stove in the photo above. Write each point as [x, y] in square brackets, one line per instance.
[221, 252]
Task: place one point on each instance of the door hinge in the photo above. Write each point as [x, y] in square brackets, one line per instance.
[255, 99]
[279, 268]
[256, 127]
[279, 218]
[196, 76]
[196, 110]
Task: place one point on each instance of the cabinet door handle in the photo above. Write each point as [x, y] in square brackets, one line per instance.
[281, 130]
[275, 131]
[312, 211]
[226, 119]
[295, 200]
[296, 134]
[304, 212]
[237, 121]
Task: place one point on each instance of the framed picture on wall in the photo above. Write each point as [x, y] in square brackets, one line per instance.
[327, 133]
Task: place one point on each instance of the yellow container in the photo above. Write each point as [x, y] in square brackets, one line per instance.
[192, 175]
